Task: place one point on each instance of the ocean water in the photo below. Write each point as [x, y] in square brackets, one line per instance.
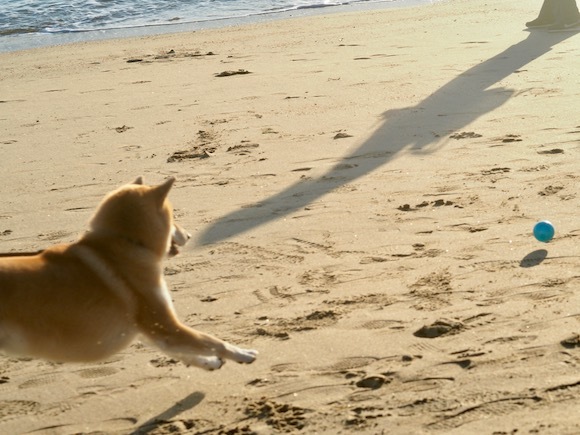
[31, 23]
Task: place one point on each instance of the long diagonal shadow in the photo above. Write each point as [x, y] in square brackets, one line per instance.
[187, 403]
[451, 107]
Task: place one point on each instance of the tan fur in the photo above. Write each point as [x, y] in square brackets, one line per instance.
[88, 300]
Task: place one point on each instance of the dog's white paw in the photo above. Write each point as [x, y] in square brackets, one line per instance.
[211, 362]
[243, 356]
[205, 362]
[248, 356]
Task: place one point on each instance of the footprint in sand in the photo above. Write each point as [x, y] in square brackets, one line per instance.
[481, 411]
[361, 416]
[232, 73]
[342, 135]
[494, 171]
[123, 129]
[373, 382]
[97, 372]
[436, 203]
[465, 135]
[571, 342]
[511, 138]
[550, 190]
[351, 363]
[462, 363]
[280, 328]
[54, 236]
[281, 417]
[14, 408]
[40, 381]
[439, 328]
[242, 149]
[564, 392]
[552, 151]
[382, 324]
[182, 155]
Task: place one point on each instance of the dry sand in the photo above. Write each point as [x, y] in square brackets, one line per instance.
[372, 181]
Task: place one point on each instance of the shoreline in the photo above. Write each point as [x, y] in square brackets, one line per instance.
[11, 43]
[361, 191]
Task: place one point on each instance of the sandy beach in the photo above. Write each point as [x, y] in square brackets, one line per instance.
[361, 189]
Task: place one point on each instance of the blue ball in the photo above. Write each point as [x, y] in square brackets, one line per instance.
[544, 231]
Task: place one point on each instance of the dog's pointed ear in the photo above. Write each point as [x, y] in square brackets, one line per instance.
[138, 180]
[160, 192]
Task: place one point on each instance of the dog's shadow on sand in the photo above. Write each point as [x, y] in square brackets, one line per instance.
[189, 402]
[455, 105]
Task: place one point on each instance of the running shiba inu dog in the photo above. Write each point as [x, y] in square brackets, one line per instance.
[88, 300]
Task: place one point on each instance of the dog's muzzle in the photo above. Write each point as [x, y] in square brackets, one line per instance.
[179, 237]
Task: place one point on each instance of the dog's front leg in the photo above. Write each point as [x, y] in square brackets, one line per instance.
[157, 320]
[201, 350]
[188, 345]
